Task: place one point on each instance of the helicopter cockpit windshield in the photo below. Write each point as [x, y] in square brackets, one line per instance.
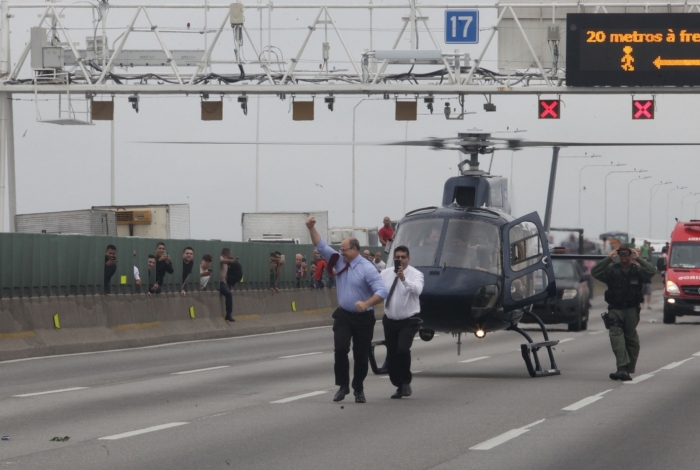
[468, 244]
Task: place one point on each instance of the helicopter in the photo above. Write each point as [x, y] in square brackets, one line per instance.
[483, 267]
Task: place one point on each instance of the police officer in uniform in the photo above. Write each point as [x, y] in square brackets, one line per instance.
[625, 280]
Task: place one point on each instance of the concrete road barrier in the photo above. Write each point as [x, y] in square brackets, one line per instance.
[40, 326]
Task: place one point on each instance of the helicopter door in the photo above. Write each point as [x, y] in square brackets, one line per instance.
[529, 276]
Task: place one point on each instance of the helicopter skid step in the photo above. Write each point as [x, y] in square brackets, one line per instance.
[373, 362]
[536, 370]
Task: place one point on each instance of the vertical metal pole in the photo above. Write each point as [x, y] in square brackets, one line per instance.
[405, 169]
[550, 193]
[5, 65]
[3, 156]
[112, 184]
[11, 179]
[257, 155]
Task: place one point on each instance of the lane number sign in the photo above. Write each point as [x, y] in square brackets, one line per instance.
[461, 26]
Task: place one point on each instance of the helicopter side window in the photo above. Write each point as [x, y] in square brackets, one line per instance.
[421, 237]
[525, 246]
[470, 244]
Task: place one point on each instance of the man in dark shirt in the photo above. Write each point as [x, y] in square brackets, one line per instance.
[163, 265]
[110, 267]
[153, 288]
[187, 264]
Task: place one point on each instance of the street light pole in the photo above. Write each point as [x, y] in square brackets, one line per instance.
[629, 185]
[683, 199]
[579, 185]
[605, 221]
[651, 197]
[668, 200]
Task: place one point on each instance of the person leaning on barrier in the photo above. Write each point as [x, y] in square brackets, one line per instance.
[110, 267]
[625, 280]
[205, 271]
[400, 321]
[163, 265]
[153, 288]
[360, 288]
[187, 265]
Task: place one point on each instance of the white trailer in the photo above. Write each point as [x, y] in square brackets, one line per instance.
[282, 226]
[152, 220]
[82, 222]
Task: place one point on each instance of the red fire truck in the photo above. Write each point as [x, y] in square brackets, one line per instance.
[682, 286]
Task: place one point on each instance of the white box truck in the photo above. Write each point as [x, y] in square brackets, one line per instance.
[81, 222]
[281, 227]
[152, 220]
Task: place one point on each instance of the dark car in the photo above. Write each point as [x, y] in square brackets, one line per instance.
[572, 303]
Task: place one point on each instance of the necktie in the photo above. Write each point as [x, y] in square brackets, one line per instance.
[333, 261]
[391, 291]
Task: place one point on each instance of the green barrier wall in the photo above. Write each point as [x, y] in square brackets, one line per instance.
[47, 264]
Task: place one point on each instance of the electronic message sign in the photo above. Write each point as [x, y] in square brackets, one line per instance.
[633, 49]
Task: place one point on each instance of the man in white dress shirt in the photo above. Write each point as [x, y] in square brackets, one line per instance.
[401, 322]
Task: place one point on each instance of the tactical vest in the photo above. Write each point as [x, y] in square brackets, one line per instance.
[624, 291]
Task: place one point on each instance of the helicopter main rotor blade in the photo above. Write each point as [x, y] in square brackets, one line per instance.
[516, 144]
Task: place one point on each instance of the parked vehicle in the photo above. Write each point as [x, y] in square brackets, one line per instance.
[572, 303]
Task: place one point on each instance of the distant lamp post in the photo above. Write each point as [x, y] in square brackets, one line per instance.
[668, 199]
[651, 198]
[580, 188]
[683, 199]
[629, 185]
[605, 221]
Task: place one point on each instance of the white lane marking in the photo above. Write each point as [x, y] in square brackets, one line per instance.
[596, 332]
[300, 355]
[299, 397]
[565, 340]
[640, 378]
[154, 346]
[505, 437]
[474, 359]
[585, 402]
[51, 391]
[697, 354]
[199, 370]
[140, 431]
[673, 365]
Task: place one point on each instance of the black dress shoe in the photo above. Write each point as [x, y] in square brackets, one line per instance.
[340, 394]
[407, 392]
[398, 393]
[230, 318]
[359, 396]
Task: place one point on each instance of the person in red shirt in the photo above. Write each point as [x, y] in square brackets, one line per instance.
[320, 268]
[386, 233]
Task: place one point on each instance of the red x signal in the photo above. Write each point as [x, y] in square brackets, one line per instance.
[548, 109]
[642, 109]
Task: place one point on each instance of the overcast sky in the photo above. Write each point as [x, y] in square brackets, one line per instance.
[67, 167]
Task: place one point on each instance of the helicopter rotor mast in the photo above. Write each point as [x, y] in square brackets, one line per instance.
[474, 144]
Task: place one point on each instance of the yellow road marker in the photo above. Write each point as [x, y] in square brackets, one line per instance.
[294, 305]
[191, 311]
[56, 322]
[17, 335]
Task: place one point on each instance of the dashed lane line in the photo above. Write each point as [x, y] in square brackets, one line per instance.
[596, 332]
[673, 365]
[300, 355]
[505, 437]
[474, 359]
[199, 370]
[586, 401]
[299, 397]
[139, 431]
[50, 391]
[640, 378]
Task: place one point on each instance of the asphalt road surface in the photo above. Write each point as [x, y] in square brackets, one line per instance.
[264, 402]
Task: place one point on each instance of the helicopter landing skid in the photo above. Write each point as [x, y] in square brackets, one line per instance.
[373, 362]
[537, 370]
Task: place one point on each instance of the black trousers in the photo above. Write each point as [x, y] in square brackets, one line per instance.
[358, 327]
[398, 337]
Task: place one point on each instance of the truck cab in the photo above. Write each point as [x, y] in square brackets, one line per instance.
[682, 265]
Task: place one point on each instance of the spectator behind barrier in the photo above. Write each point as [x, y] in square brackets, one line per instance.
[153, 288]
[137, 276]
[110, 267]
[163, 265]
[224, 288]
[187, 265]
[205, 271]
[234, 273]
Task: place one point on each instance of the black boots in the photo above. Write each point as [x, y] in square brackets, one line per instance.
[621, 374]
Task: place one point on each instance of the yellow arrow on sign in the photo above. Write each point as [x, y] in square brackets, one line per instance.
[659, 62]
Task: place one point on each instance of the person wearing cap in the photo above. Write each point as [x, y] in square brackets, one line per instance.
[205, 271]
[624, 272]
[360, 288]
